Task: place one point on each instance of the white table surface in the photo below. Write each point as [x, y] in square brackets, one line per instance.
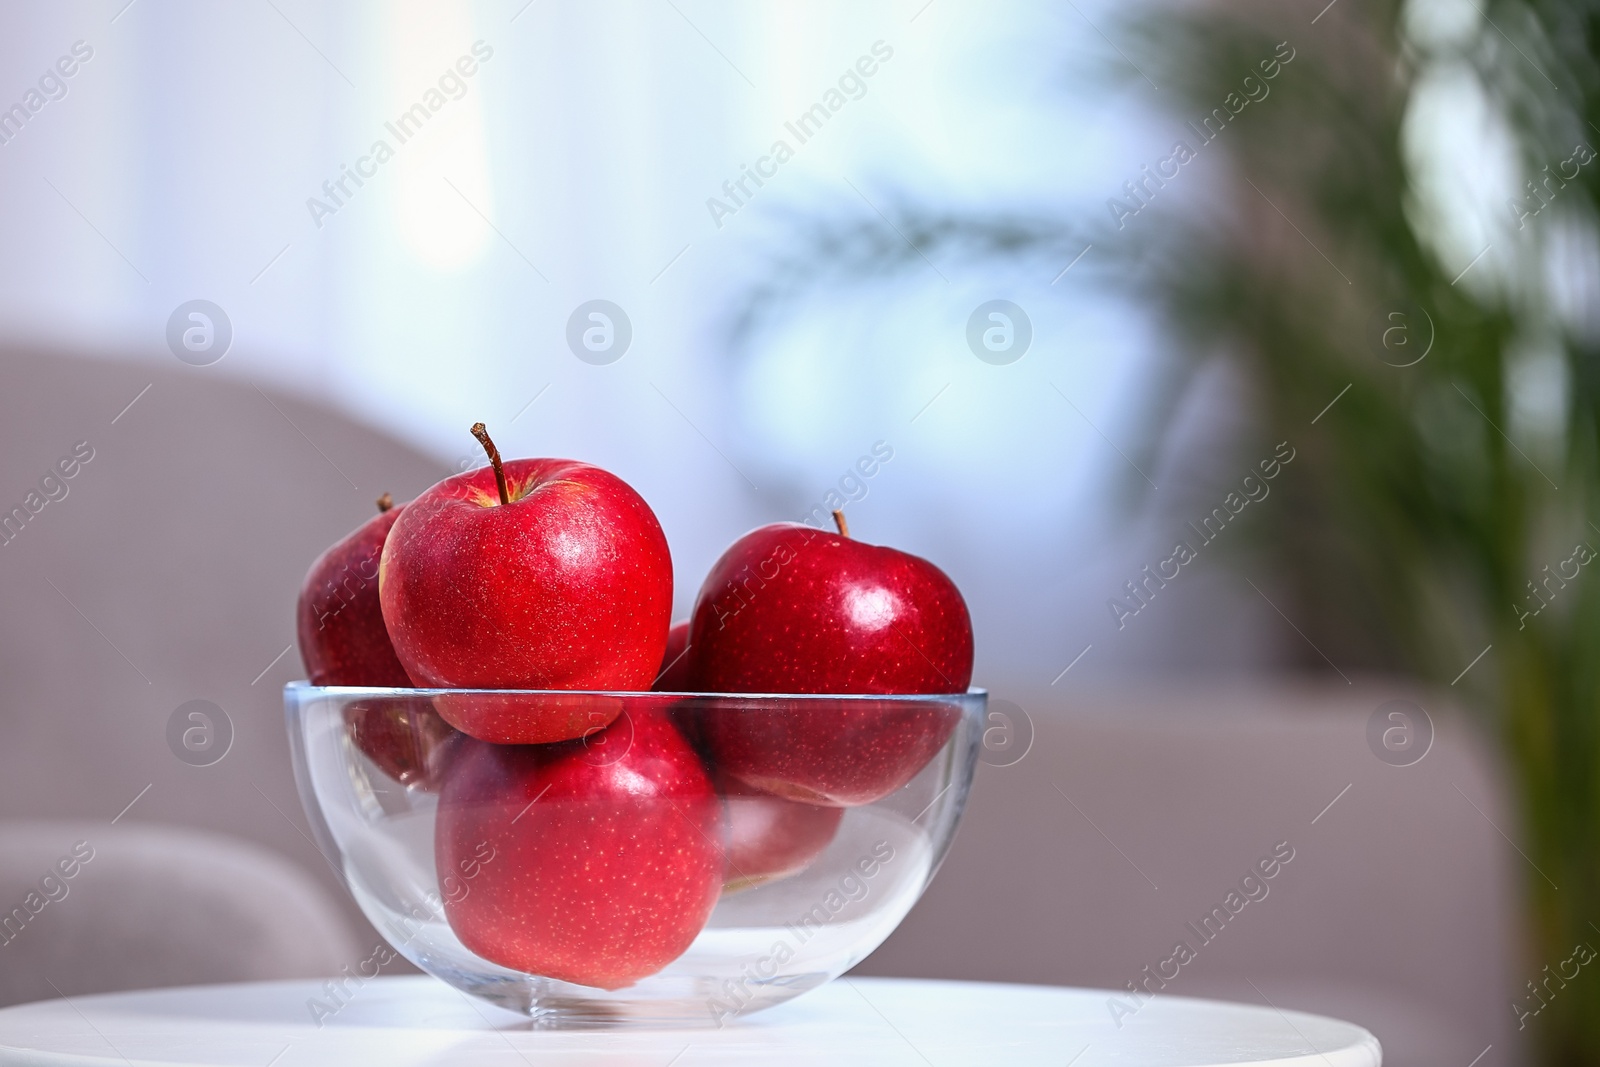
[416, 1021]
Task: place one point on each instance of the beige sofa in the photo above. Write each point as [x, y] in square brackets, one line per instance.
[1139, 808]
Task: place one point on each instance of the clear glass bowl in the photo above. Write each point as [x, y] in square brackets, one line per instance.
[691, 859]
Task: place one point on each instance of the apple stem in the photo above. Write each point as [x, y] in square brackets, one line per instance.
[844, 527]
[482, 434]
[385, 503]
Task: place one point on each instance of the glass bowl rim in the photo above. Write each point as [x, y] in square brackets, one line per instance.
[303, 687]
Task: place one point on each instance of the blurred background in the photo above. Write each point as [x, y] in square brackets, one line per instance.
[1305, 288]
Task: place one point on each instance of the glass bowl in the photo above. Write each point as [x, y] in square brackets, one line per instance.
[689, 859]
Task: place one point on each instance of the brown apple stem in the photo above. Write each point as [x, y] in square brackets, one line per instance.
[482, 434]
[385, 503]
[844, 527]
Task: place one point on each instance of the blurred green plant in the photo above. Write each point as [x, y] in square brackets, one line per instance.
[1454, 464]
[1444, 500]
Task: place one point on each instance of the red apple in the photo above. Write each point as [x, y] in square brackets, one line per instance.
[338, 620]
[674, 676]
[792, 609]
[606, 855]
[770, 837]
[401, 735]
[343, 642]
[532, 574]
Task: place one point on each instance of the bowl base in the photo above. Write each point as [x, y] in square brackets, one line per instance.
[697, 1004]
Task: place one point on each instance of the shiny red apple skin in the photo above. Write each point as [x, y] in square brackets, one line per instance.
[791, 609]
[770, 837]
[675, 675]
[607, 851]
[338, 619]
[568, 586]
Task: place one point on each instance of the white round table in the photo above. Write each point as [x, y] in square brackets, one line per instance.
[419, 1022]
